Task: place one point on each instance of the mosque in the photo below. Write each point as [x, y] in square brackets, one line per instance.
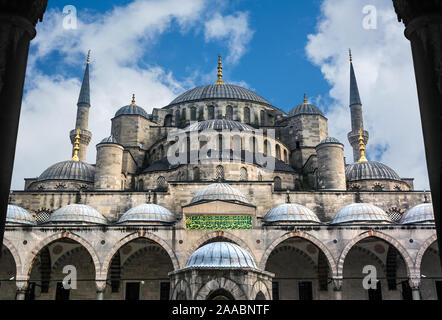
[220, 195]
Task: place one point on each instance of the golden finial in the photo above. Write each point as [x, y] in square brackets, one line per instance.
[76, 146]
[363, 158]
[305, 98]
[88, 56]
[220, 71]
[133, 100]
[351, 57]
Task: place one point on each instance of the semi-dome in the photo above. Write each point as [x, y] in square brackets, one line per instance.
[360, 212]
[132, 109]
[305, 108]
[18, 215]
[69, 170]
[148, 212]
[219, 191]
[418, 214]
[219, 91]
[330, 140]
[370, 170]
[221, 255]
[219, 125]
[291, 212]
[77, 213]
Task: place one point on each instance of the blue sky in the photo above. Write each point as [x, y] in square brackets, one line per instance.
[279, 49]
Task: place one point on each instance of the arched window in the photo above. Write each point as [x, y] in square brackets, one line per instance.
[277, 184]
[196, 174]
[141, 185]
[220, 142]
[161, 184]
[219, 173]
[262, 118]
[177, 117]
[193, 114]
[168, 120]
[243, 176]
[278, 152]
[211, 112]
[247, 115]
[267, 148]
[229, 113]
[286, 160]
[161, 152]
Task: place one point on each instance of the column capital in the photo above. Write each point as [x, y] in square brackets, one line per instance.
[414, 282]
[100, 285]
[337, 283]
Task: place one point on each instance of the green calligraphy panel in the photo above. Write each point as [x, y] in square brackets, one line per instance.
[218, 222]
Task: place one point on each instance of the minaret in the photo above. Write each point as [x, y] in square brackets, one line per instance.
[357, 121]
[83, 105]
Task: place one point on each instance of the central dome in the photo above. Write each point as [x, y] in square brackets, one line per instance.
[370, 170]
[69, 170]
[219, 91]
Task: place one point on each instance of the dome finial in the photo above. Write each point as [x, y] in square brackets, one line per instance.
[220, 71]
[88, 56]
[351, 57]
[363, 158]
[133, 100]
[305, 98]
[76, 146]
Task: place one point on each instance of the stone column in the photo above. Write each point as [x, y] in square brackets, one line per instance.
[22, 287]
[17, 28]
[101, 287]
[423, 22]
[415, 286]
[337, 288]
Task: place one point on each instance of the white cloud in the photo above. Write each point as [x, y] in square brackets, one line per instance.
[232, 28]
[118, 39]
[384, 70]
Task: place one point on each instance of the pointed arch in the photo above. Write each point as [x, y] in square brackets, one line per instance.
[222, 283]
[391, 241]
[303, 235]
[140, 234]
[62, 235]
[421, 252]
[14, 252]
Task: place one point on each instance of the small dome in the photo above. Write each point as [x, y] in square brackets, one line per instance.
[148, 212]
[305, 108]
[77, 213]
[219, 191]
[69, 170]
[219, 125]
[219, 91]
[110, 139]
[18, 215]
[360, 212]
[291, 212]
[418, 214]
[132, 110]
[370, 170]
[221, 255]
[330, 140]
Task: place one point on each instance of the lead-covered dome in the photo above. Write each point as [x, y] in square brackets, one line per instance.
[132, 109]
[219, 91]
[305, 108]
[221, 255]
[69, 170]
[77, 213]
[370, 170]
[291, 212]
[330, 140]
[219, 191]
[18, 215]
[419, 214]
[110, 139]
[219, 125]
[148, 212]
[360, 212]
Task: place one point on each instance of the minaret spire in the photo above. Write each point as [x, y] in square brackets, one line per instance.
[357, 121]
[81, 123]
